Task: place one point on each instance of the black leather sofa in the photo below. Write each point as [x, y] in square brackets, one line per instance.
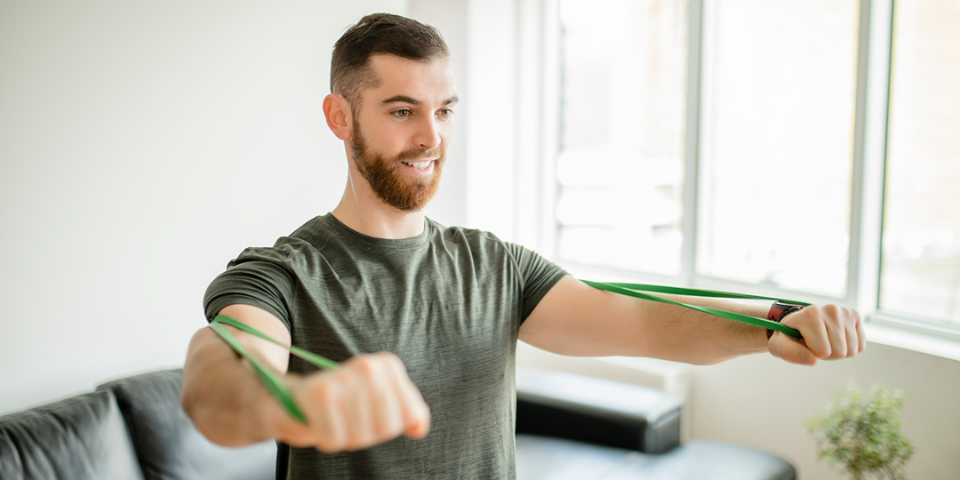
[569, 427]
[582, 428]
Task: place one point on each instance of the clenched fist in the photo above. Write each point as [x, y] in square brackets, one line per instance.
[368, 401]
[829, 333]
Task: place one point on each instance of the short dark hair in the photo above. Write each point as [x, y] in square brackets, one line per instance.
[379, 33]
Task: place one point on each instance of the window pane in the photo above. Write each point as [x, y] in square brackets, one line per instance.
[921, 238]
[620, 165]
[778, 117]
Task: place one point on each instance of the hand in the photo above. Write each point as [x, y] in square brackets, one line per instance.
[829, 333]
[368, 401]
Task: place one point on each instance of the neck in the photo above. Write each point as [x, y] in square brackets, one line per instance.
[361, 210]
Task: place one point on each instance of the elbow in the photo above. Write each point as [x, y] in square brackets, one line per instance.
[209, 421]
[195, 412]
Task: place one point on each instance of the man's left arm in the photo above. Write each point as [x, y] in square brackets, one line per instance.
[576, 319]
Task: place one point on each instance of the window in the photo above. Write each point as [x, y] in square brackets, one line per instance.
[921, 237]
[737, 131]
[779, 101]
[622, 87]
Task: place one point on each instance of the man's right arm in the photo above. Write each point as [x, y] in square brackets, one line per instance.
[368, 400]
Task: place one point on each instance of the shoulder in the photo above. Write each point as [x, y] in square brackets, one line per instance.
[288, 251]
[473, 238]
[315, 232]
[486, 246]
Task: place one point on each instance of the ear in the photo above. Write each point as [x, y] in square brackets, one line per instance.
[337, 111]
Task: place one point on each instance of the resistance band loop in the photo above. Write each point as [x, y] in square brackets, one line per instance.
[274, 383]
[637, 290]
[270, 379]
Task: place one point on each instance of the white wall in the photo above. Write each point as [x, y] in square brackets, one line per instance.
[142, 146]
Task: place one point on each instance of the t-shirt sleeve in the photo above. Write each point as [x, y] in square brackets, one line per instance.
[537, 275]
[263, 284]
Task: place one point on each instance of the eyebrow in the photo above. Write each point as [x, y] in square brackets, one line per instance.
[413, 101]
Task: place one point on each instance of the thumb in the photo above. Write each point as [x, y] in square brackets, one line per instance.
[791, 350]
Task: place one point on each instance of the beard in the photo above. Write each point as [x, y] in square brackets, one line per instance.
[409, 195]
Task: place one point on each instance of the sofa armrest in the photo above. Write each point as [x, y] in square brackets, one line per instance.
[82, 437]
[597, 411]
[166, 441]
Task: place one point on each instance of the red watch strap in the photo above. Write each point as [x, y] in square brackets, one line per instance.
[776, 312]
[779, 310]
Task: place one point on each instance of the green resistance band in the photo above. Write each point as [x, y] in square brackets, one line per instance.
[270, 379]
[274, 383]
[638, 290]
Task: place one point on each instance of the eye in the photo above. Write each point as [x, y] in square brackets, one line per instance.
[446, 112]
[405, 112]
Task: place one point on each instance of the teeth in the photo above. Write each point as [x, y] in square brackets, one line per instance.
[418, 165]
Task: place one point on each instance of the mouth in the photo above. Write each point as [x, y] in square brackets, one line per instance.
[423, 166]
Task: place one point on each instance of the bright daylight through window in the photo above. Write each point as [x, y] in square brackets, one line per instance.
[778, 111]
[623, 81]
[773, 135]
[921, 238]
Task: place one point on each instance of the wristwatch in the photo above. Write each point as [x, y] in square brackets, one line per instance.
[779, 310]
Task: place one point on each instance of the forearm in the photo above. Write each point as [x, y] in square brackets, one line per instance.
[682, 334]
[223, 396]
[576, 319]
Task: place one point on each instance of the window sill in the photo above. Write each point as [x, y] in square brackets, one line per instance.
[909, 340]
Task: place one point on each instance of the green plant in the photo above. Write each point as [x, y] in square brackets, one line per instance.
[860, 434]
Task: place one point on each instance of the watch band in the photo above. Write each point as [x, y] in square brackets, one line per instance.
[779, 310]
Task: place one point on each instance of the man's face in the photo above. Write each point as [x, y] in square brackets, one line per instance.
[401, 131]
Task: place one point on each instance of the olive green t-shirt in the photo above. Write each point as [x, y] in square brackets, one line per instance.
[448, 302]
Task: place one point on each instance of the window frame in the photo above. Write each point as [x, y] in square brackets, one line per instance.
[539, 59]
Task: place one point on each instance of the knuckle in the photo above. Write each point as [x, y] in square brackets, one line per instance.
[822, 351]
[803, 318]
[318, 391]
[367, 367]
[392, 360]
[325, 406]
[323, 392]
[362, 370]
[814, 314]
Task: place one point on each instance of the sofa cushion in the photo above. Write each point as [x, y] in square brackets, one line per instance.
[549, 458]
[592, 410]
[167, 443]
[82, 437]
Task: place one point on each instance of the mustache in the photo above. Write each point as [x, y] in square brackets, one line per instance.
[434, 153]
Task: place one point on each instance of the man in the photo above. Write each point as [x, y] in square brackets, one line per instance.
[447, 305]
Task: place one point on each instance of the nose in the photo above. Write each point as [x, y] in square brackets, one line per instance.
[428, 134]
